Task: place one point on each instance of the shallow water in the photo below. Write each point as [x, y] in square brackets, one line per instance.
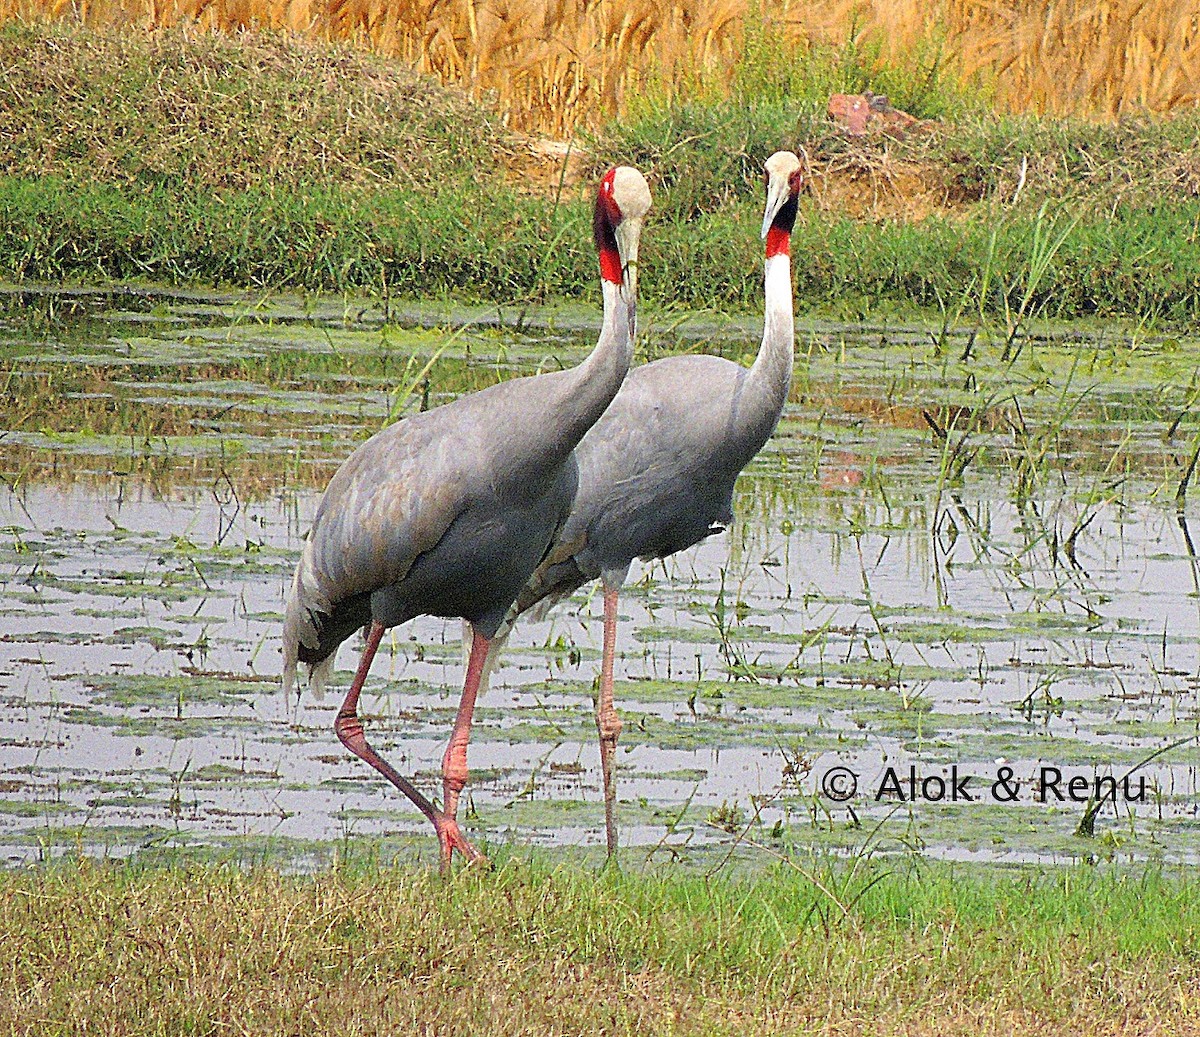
[942, 561]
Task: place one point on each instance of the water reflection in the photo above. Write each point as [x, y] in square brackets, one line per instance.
[931, 568]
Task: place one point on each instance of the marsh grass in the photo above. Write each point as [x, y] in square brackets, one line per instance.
[1138, 263]
[559, 67]
[261, 402]
[264, 162]
[537, 948]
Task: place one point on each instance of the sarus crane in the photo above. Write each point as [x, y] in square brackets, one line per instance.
[657, 471]
[448, 512]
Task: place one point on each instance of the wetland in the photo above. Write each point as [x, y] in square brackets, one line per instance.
[867, 731]
[964, 551]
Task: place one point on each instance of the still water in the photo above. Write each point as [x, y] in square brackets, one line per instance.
[956, 582]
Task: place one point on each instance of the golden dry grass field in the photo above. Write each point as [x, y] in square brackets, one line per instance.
[556, 65]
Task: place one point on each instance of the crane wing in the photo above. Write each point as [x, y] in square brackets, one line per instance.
[392, 500]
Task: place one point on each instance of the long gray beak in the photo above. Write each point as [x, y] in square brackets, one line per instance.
[628, 234]
[778, 192]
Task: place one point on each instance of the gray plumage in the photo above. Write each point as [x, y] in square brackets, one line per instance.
[448, 512]
[445, 513]
[657, 471]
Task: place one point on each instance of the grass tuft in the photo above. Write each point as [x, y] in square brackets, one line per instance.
[189, 113]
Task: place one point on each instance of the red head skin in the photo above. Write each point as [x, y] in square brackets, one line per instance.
[779, 237]
[607, 216]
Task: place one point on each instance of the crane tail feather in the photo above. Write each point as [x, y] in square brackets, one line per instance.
[306, 604]
[289, 676]
[318, 677]
[468, 639]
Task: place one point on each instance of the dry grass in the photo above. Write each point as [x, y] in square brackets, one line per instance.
[554, 65]
[219, 114]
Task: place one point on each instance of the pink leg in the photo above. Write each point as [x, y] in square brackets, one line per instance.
[454, 763]
[350, 732]
[607, 721]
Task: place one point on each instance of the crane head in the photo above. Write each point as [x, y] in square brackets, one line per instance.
[784, 178]
[621, 207]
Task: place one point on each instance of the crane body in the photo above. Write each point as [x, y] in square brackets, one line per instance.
[449, 512]
[426, 519]
[657, 471]
[687, 416]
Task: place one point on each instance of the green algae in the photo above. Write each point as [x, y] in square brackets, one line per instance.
[233, 422]
[133, 689]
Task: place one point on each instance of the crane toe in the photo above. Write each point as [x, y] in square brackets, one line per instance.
[450, 838]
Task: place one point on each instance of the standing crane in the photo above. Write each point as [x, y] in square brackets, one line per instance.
[657, 471]
[449, 512]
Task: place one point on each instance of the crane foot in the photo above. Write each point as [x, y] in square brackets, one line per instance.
[450, 838]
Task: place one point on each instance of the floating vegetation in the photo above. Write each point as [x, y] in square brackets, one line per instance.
[955, 557]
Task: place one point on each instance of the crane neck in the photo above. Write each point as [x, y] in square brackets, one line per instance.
[770, 377]
[595, 382]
